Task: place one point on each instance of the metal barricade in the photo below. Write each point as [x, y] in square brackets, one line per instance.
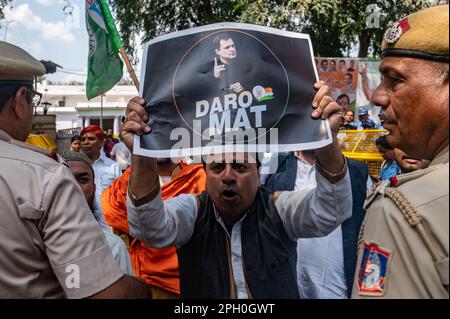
[360, 145]
[63, 138]
[43, 141]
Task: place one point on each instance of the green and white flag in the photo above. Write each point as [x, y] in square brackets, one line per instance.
[105, 68]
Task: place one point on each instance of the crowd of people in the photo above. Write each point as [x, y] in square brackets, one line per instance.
[364, 122]
[96, 221]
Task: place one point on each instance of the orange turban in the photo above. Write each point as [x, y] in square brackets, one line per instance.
[94, 129]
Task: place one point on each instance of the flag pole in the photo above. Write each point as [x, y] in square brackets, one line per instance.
[111, 25]
[101, 111]
[129, 68]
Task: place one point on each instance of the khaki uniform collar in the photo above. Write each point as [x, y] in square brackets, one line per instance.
[7, 138]
[4, 136]
[438, 161]
[440, 158]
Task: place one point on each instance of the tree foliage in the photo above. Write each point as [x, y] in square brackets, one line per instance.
[144, 19]
[3, 5]
[335, 26]
[320, 19]
[358, 14]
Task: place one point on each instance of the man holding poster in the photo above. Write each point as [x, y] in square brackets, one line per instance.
[237, 240]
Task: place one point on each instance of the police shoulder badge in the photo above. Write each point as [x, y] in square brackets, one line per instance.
[373, 272]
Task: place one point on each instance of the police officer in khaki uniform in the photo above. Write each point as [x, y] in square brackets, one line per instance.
[403, 248]
[50, 244]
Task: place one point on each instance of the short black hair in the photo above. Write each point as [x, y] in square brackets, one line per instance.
[382, 141]
[343, 95]
[258, 162]
[9, 90]
[220, 37]
[310, 153]
[75, 138]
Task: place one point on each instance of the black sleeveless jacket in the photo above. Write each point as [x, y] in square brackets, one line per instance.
[269, 255]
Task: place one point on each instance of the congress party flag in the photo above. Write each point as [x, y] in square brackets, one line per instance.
[105, 68]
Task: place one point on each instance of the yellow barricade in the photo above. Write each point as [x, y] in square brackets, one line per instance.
[360, 145]
[42, 140]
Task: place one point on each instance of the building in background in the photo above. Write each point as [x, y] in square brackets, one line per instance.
[72, 109]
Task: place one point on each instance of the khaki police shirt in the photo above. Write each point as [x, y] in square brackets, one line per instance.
[393, 261]
[50, 244]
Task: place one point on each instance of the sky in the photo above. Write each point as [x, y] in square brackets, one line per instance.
[47, 33]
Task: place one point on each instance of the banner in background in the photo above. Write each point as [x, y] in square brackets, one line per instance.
[342, 75]
[229, 87]
[369, 79]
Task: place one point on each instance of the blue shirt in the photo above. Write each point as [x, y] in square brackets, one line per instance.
[358, 126]
[389, 170]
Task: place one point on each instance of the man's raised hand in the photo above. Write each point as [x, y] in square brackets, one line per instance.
[326, 107]
[135, 123]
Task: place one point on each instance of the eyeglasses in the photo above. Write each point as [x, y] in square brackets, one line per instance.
[36, 97]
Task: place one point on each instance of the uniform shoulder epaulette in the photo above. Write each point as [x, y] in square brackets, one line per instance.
[376, 190]
[52, 154]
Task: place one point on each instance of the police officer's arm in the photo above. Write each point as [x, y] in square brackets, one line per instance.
[329, 160]
[74, 243]
[125, 287]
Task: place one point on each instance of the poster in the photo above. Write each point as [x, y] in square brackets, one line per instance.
[369, 79]
[342, 75]
[229, 87]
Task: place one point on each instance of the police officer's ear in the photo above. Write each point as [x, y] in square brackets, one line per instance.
[21, 102]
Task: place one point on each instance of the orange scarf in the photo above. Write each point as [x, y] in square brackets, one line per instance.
[158, 267]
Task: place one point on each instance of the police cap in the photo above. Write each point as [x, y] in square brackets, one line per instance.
[421, 35]
[17, 66]
[362, 111]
